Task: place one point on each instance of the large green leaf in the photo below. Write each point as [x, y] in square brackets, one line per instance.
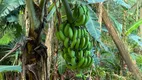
[4, 68]
[93, 28]
[9, 5]
[133, 27]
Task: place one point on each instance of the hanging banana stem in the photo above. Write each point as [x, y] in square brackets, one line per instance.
[68, 11]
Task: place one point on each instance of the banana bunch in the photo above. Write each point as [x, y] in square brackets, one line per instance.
[77, 59]
[81, 15]
[76, 46]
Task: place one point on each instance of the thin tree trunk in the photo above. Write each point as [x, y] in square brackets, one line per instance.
[121, 46]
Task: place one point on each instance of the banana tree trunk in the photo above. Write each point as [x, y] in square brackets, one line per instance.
[34, 53]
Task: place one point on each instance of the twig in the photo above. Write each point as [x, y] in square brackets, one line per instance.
[14, 49]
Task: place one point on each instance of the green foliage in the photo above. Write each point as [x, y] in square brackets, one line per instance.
[9, 33]
[99, 72]
[93, 28]
[133, 27]
[4, 68]
[52, 10]
[61, 64]
[95, 1]
[7, 38]
[8, 6]
[123, 3]
[117, 24]
[138, 59]
[136, 39]
[1, 76]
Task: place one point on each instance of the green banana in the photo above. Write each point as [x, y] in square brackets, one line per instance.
[89, 46]
[85, 33]
[80, 21]
[80, 54]
[66, 57]
[79, 33]
[91, 62]
[70, 31]
[81, 15]
[61, 35]
[81, 10]
[75, 31]
[75, 12]
[85, 63]
[87, 18]
[57, 35]
[82, 42]
[77, 44]
[73, 61]
[80, 63]
[87, 53]
[73, 43]
[86, 42]
[84, 8]
[66, 29]
[86, 13]
[66, 42]
[82, 32]
[71, 53]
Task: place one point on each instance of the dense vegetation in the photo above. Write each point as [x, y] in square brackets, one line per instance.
[70, 39]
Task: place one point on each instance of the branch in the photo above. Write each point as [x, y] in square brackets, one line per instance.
[68, 11]
[31, 12]
[14, 49]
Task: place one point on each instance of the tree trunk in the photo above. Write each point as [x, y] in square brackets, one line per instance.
[121, 46]
[34, 53]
